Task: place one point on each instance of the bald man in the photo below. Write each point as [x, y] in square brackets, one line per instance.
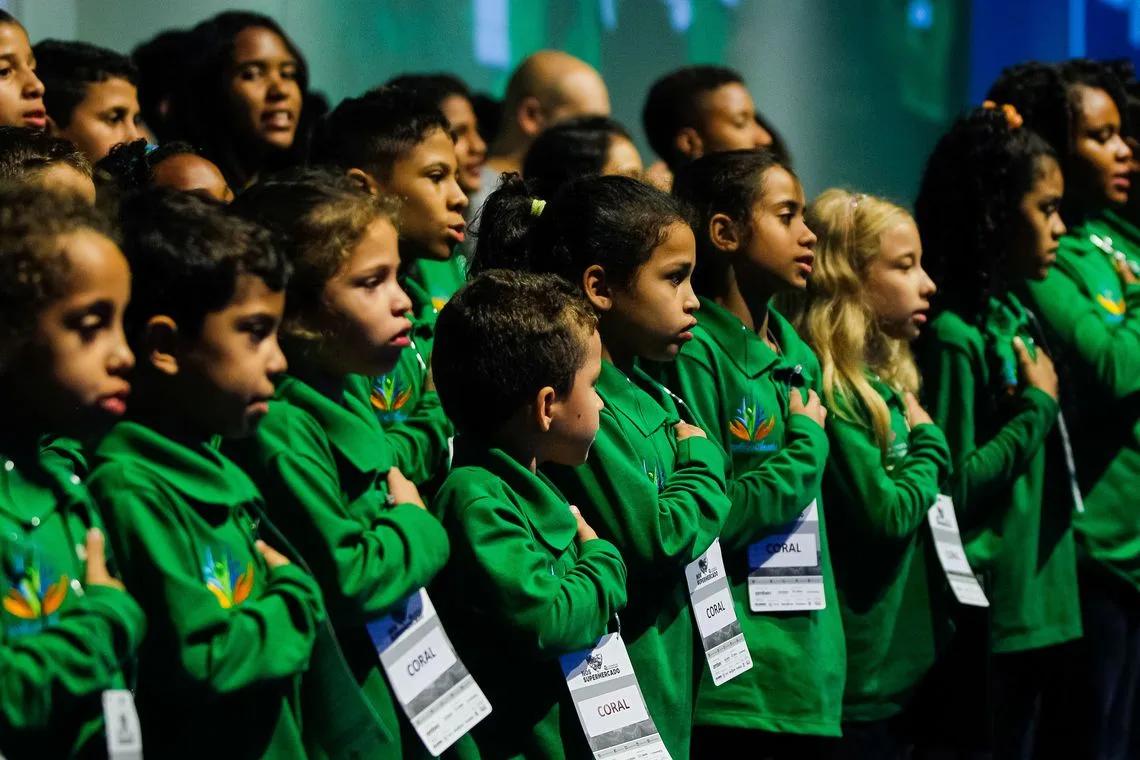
[548, 86]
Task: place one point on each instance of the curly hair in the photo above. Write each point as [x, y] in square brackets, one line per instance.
[27, 152]
[34, 226]
[317, 216]
[968, 204]
[130, 166]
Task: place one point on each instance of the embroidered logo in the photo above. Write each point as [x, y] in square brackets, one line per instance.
[438, 302]
[32, 595]
[654, 473]
[1112, 304]
[225, 579]
[750, 426]
[389, 395]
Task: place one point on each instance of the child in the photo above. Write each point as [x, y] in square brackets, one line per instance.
[33, 157]
[867, 298]
[745, 374]
[67, 628]
[327, 468]
[136, 166]
[654, 485]
[698, 110]
[517, 356]
[232, 622]
[396, 142]
[21, 91]
[1087, 307]
[579, 147]
[241, 99]
[989, 214]
[90, 94]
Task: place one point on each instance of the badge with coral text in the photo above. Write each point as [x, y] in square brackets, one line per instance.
[785, 570]
[609, 703]
[721, 635]
[948, 543]
[433, 686]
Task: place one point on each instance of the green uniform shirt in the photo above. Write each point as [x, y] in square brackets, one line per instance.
[1092, 322]
[893, 593]
[407, 407]
[662, 503]
[62, 643]
[1010, 484]
[322, 463]
[738, 387]
[518, 593]
[1116, 233]
[220, 669]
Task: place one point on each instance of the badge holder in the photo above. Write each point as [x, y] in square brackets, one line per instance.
[785, 570]
[121, 722]
[721, 636]
[951, 554]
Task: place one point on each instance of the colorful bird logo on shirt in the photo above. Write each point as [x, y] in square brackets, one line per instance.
[390, 393]
[1112, 304]
[751, 425]
[30, 596]
[225, 579]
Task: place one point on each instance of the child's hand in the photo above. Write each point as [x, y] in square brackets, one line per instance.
[273, 558]
[403, 491]
[684, 430]
[585, 532]
[915, 414]
[813, 409]
[97, 574]
[1125, 272]
[1037, 374]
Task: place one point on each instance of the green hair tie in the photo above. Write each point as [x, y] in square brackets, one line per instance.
[536, 206]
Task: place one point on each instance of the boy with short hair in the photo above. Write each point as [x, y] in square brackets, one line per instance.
[91, 95]
[517, 357]
[397, 142]
[232, 622]
[32, 157]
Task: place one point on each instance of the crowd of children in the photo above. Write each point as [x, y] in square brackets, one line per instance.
[668, 462]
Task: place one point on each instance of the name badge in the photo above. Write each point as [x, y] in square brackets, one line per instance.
[609, 702]
[121, 722]
[721, 635]
[432, 685]
[951, 554]
[785, 570]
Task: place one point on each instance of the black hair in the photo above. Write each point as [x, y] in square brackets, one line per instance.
[8, 18]
[728, 183]
[200, 109]
[186, 252]
[33, 263]
[374, 131]
[779, 145]
[503, 337]
[1047, 99]
[488, 115]
[25, 152]
[436, 87]
[67, 68]
[674, 103]
[573, 148]
[130, 166]
[317, 217]
[615, 222]
[161, 62]
[968, 204]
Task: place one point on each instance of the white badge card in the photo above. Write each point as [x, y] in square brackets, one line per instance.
[951, 554]
[609, 702]
[433, 686]
[721, 635]
[785, 570]
[121, 722]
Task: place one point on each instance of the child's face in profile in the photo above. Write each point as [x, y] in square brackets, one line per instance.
[470, 150]
[896, 287]
[265, 96]
[1103, 176]
[225, 371]
[73, 375]
[107, 115]
[1037, 227]
[187, 171]
[21, 91]
[431, 217]
[365, 308]
[575, 416]
[63, 178]
[728, 121]
[778, 254]
[652, 316]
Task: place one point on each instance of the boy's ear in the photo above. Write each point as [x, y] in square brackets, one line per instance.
[597, 287]
[160, 344]
[544, 408]
[530, 116]
[689, 143]
[366, 181]
[724, 233]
